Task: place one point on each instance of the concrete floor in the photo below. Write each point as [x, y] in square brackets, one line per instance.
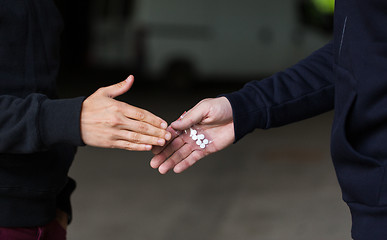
[277, 184]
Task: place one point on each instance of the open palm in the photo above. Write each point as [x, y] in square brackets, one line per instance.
[213, 119]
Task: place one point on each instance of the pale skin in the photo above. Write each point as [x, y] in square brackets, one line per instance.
[214, 118]
[109, 123]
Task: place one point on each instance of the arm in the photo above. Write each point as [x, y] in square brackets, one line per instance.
[36, 123]
[302, 91]
[299, 92]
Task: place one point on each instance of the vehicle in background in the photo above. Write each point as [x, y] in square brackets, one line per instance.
[195, 40]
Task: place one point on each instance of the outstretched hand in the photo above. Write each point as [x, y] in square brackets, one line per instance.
[212, 118]
[108, 123]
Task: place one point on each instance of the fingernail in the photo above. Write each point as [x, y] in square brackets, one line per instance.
[168, 136]
[161, 141]
[182, 115]
[164, 125]
[127, 79]
[148, 147]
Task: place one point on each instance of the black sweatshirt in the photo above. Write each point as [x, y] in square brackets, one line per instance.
[38, 134]
[349, 74]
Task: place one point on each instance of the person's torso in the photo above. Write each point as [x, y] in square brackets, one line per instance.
[359, 134]
[29, 46]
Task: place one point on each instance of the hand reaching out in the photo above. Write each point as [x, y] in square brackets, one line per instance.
[106, 122]
[212, 118]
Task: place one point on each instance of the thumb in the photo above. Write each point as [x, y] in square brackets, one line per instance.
[192, 117]
[118, 89]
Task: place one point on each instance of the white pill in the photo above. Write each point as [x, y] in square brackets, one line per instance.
[202, 145]
[205, 141]
[194, 137]
[201, 136]
[193, 131]
[198, 142]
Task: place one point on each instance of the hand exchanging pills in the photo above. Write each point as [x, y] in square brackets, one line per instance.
[205, 129]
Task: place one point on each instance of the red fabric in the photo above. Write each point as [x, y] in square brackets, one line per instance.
[51, 231]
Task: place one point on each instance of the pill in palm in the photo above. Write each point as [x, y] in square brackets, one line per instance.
[199, 139]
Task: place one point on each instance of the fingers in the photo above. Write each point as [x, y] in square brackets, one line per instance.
[188, 161]
[142, 115]
[214, 118]
[176, 158]
[143, 128]
[174, 134]
[157, 149]
[138, 138]
[178, 155]
[180, 160]
[140, 121]
[192, 117]
[106, 122]
[160, 158]
[121, 144]
[129, 111]
[118, 89]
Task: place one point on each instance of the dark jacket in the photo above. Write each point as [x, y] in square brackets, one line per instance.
[350, 75]
[38, 134]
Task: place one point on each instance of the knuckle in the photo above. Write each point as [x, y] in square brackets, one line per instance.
[129, 146]
[135, 137]
[203, 101]
[100, 90]
[115, 107]
[112, 145]
[177, 157]
[124, 145]
[114, 121]
[139, 115]
[143, 127]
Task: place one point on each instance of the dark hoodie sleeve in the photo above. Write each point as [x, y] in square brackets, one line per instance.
[301, 91]
[35, 123]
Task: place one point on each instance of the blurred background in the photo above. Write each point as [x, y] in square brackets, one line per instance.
[272, 185]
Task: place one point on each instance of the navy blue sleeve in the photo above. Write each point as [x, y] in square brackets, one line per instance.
[301, 91]
[35, 123]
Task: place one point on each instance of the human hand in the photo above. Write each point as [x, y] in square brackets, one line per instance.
[212, 118]
[108, 123]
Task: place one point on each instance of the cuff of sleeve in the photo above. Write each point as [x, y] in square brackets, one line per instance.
[63, 199]
[60, 121]
[248, 113]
